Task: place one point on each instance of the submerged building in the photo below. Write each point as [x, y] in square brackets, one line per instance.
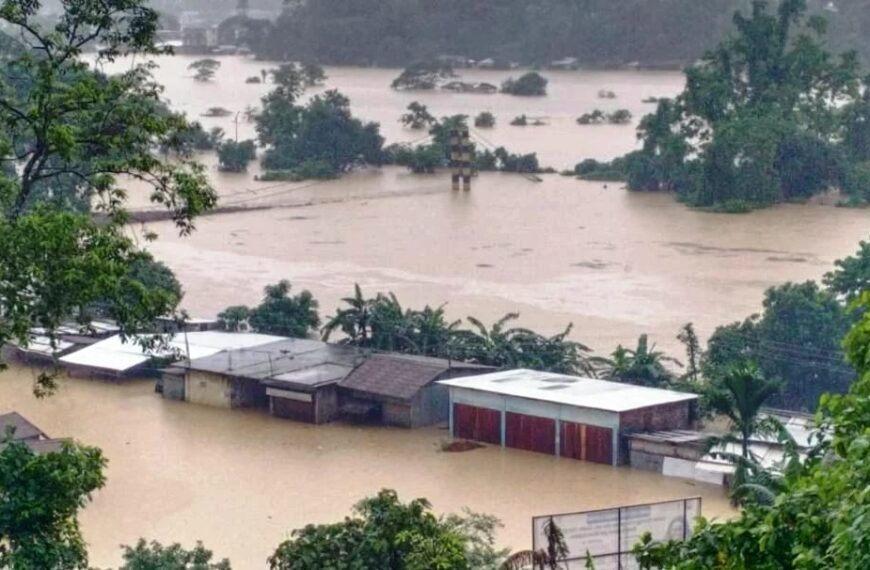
[568, 416]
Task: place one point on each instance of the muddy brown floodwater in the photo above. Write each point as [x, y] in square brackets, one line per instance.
[241, 481]
[614, 263]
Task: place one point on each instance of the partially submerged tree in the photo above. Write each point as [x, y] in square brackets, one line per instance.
[235, 156]
[484, 120]
[204, 69]
[285, 315]
[417, 117]
[528, 84]
[644, 365]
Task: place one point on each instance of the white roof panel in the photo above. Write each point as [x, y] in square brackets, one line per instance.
[115, 354]
[569, 390]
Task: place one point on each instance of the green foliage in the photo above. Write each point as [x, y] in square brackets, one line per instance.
[40, 496]
[528, 84]
[795, 341]
[382, 323]
[282, 314]
[423, 76]
[644, 366]
[760, 119]
[322, 132]
[72, 134]
[591, 169]
[313, 74]
[384, 533]
[520, 121]
[739, 395]
[417, 117]
[851, 275]
[233, 318]
[235, 156]
[819, 519]
[507, 347]
[204, 69]
[596, 117]
[420, 159]
[484, 120]
[857, 182]
[155, 556]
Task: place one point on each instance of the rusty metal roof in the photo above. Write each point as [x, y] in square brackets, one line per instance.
[399, 376]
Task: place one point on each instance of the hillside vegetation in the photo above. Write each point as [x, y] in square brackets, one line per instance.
[597, 32]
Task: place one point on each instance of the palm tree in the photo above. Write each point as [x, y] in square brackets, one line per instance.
[390, 324]
[544, 559]
[431, 331]
[644, 365]
[354, 320]
[739, 396]
[494, 346]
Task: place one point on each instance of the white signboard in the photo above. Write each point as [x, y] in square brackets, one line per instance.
[608, 535]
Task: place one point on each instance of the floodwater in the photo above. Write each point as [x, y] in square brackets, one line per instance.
[614, 263]
[242, 480]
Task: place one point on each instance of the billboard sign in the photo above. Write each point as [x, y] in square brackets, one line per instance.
[608, 535]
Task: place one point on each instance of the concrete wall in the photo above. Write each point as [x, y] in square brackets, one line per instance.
[399, 414]
[326, 404]
[677, 415]
[173, 386]
[208, 389]
[431, 406]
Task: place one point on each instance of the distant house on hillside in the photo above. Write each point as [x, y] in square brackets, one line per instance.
[401, 390]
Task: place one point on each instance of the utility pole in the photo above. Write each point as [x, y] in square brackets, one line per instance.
[461, 151]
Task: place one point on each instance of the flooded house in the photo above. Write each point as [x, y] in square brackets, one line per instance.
[118, 357]
[401, 390]
[567, 416]
[15, 427]
[292, 378]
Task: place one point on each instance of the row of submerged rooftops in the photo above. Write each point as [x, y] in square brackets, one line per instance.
[307, 363]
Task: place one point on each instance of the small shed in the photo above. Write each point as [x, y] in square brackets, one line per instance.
[568, 416]
[401, 390]
[293, 378]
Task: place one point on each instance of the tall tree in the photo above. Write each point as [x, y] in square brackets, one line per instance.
[283, 314]
[384, 533]
[63, 125]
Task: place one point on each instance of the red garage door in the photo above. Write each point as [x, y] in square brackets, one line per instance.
[590, 443]
[531, 433]
[478, 424]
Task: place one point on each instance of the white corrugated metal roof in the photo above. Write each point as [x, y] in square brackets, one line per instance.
[569, 390]
[116, 355]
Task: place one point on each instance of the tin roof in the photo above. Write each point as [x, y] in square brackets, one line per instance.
[274, 359]
[118, 355]
[399, 376]
[22, 428]
[569, 390]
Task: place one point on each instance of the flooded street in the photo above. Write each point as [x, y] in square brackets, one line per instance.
[614, 263]
[240, 481]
